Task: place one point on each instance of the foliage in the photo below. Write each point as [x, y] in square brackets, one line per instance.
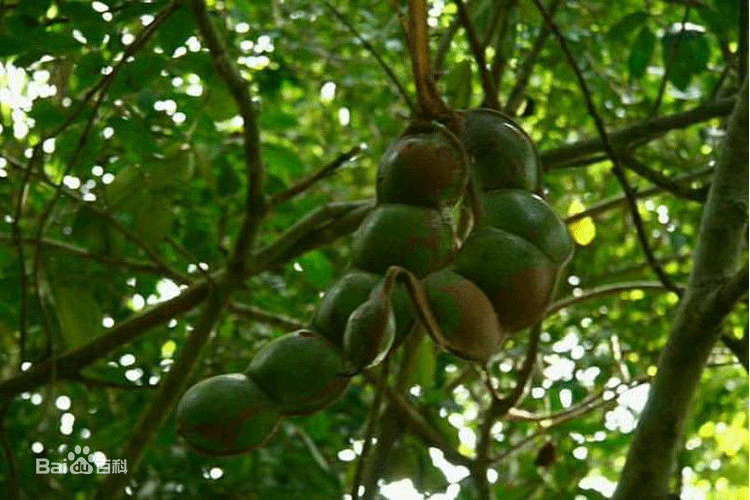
[123, 184]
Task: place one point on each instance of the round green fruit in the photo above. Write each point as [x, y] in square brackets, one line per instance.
[301, 372]
[417, 238]
[516, 276]
[530, 217]
[466, 317]
[347, 294]
[225, 415]
[369, 333]
[503, 155]
[426, 167]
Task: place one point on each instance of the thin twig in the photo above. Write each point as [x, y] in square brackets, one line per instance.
[255, 203]
[616, 168]
[261, 315]
[522, 77]
[370, 428]
[497, 409]
[477, 50]
[306, 183]
[602, 291]
[615, 201]
[371, 49]
[661, 180]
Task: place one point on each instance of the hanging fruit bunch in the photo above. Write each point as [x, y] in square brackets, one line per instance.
[408, 266]
[468, 295]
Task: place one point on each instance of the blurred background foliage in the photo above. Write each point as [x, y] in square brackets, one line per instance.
[122, 180]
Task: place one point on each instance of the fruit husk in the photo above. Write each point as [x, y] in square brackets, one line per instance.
[416, 238]
[347, 294]
[225, 415]
[301, 372]
[503, 154]
[516, 276]
[468, 321]
[530, 217]
[426, 167]
[370, 331]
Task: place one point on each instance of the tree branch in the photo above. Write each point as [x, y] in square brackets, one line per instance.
[255, 203]
[602, 291]
[324, 172]
[169, 390]
[477, 49]
[371, 49]
[524, 73]
[615, 201]
[73, 361]
[696, 328]
[261, 315]
[611, 153]
[636, 134]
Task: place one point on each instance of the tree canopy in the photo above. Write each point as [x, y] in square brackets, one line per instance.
[179, 185]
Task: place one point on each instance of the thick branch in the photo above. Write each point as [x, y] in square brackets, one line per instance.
[697, 324]
[639, 133]
[72, 362]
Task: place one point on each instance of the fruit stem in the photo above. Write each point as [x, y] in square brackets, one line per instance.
[429, 103]
[419, 298]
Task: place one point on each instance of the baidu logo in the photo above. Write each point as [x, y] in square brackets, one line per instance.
[80, 461]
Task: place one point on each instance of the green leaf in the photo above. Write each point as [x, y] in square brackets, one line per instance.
[138, 74]
[458, 86]
[78, 314]
[622, 29]
[641, 52]
[283, 161]
[425, 362]
[317, 269]
[88, 70]
[154, 220]
[691, 53]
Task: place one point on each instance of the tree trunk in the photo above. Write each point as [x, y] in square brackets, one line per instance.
[714, 287]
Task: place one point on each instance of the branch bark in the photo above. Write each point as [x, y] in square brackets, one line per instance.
[696, 328]
[636, 134]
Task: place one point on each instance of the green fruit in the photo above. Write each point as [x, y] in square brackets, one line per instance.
[301, 372]
[417, 238]
[369, 332]
[516, 276]
[530, 217]
[347, 294]
[503, 155]
[466, 317]
[226, 414]
[427, 167]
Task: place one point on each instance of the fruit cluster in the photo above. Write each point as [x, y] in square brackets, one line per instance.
[407, 265]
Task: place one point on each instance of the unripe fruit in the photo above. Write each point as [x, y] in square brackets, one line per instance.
[466, 317]
[516, 276]
[226, 414]
[530, 217]
[503, 155]
[301, 372]
[369, 332]
[347, 294]
[416, 238]
[426, 167]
